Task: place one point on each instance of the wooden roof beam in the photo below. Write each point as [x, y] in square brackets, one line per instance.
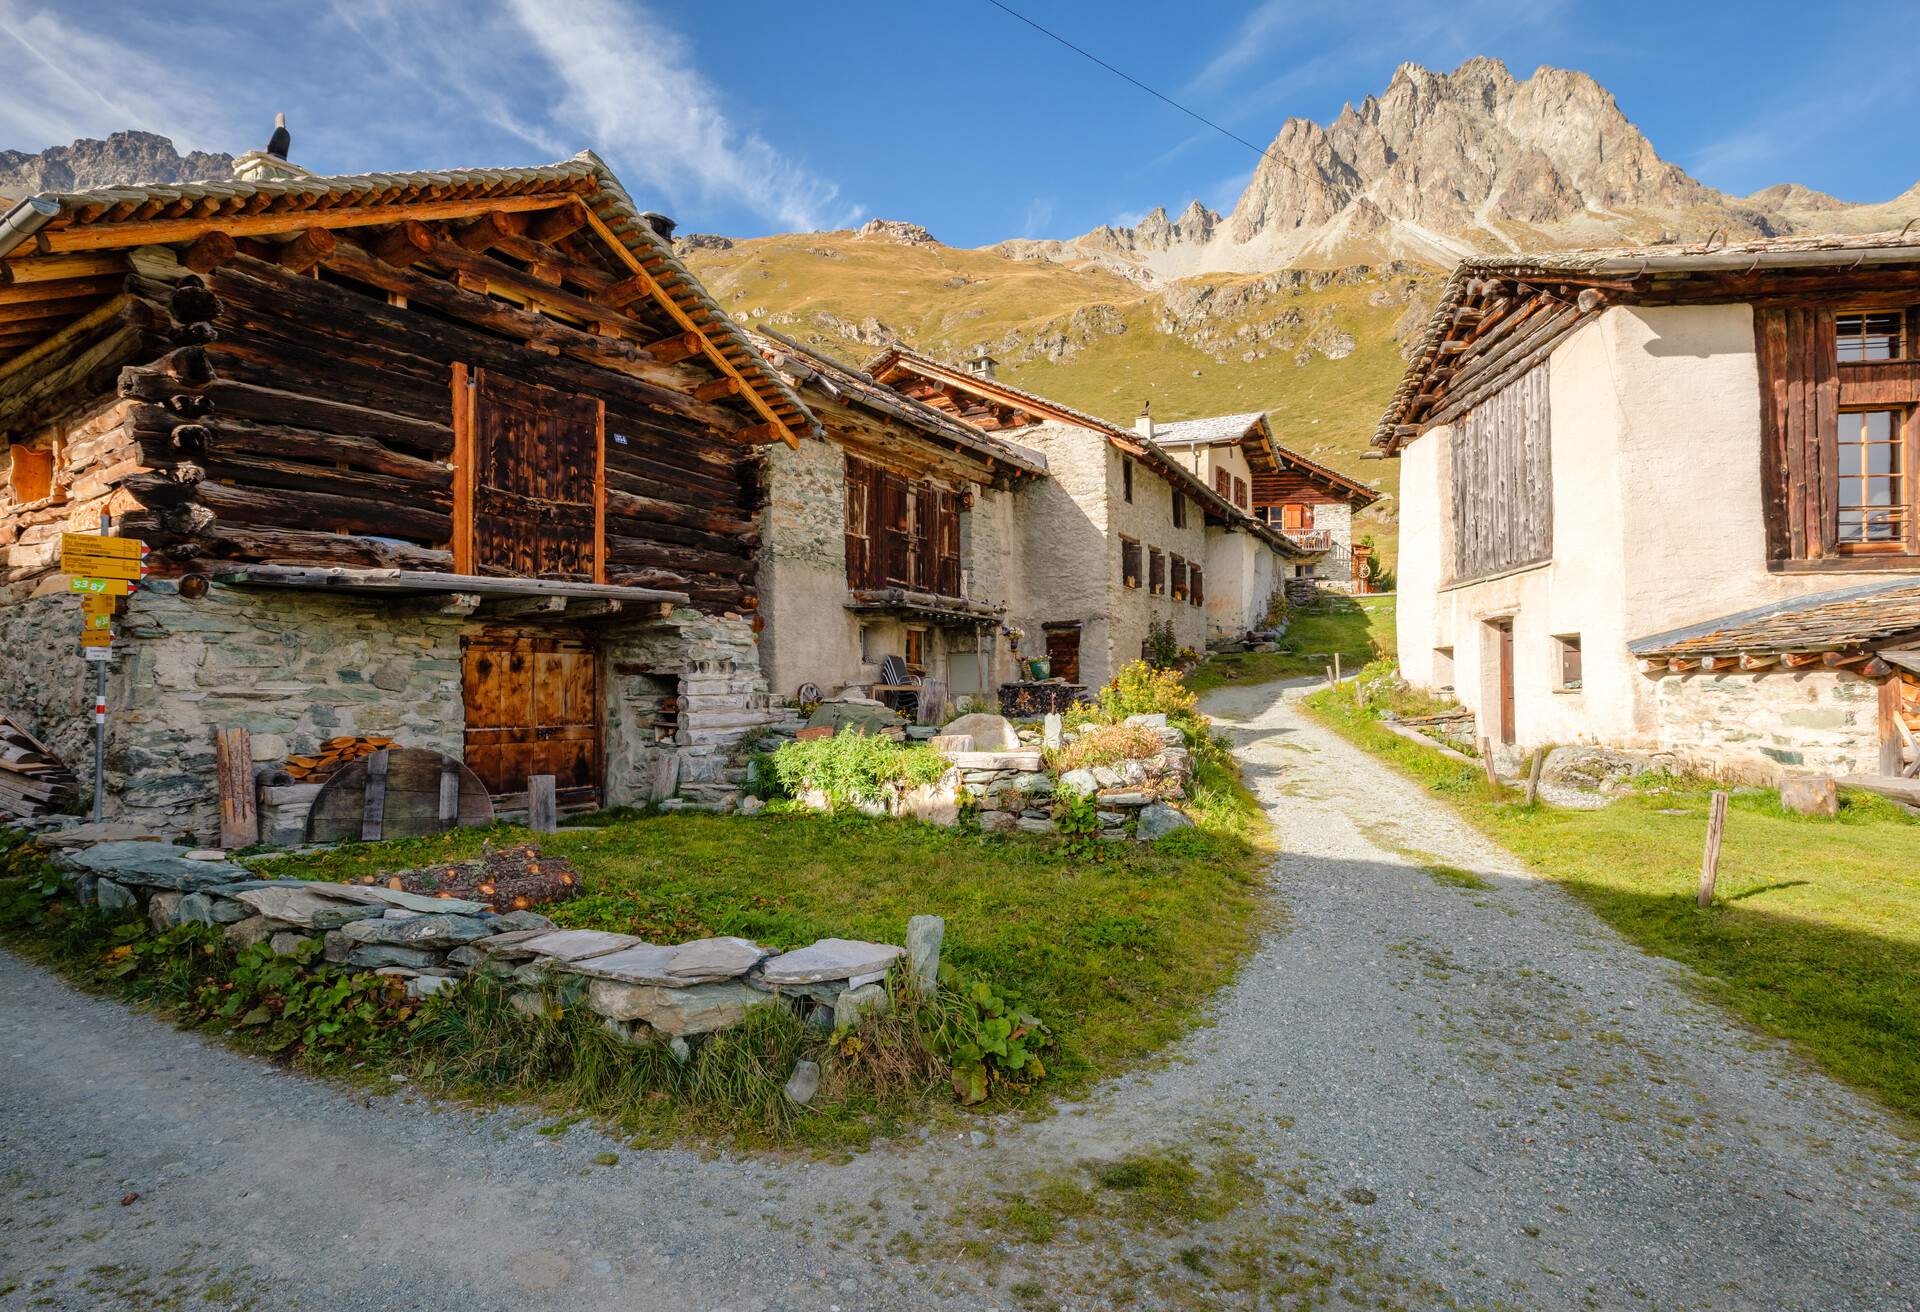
[488, 230]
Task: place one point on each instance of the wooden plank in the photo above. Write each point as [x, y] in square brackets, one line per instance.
[463, 389]
[542, 804]
[600, 492]
[373, 817]
[163, 232]
[449, 795]
[1826, 399]
[348, 579]
[1892, 730]
[233, 766]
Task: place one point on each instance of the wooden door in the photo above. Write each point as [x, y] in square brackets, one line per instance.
[1063, 653]
[532, 707]
[1503, 636]
[530, 462]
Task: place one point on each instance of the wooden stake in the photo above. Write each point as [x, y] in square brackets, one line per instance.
[543, 813]
[1533, 776]
[1710, 862]
[1486, 760]
[373, 814]
[1329, 676]
[233, 764]
[1336, 667]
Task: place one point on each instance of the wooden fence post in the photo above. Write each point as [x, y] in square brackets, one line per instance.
[543, 811]
[373, 811]
[1329, 676]
[1533, 775]
[1336, 667]
[1486, 760]
[1710, 862]
[233, 764]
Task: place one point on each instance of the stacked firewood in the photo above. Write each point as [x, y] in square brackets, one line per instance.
[32, 779]
[334, 753]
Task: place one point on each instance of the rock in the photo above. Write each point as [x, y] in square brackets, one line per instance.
[682, 1050]
[803, 1083]
[420, 931]
[336, 946]
[510, 946]
[1810, 795]
[699, 1009]
[206, 854]
[287, 942]
[1159, 820]
[368, 955]
[254, 929]
[951, 742]
[998, 822]
[1031, 782]
[394, 897]
[153, 865]
[863, 716]
[752, 806]
[990, 733]
[937, 803]
[924, 936]
[703, 961]
[1124, 798]
[1108, 777]
[855, 1005]
[115, 899]
[1157, 720]
[1050, 731]
[515, 921]
[425, 986]
[1036, 825]
[299, 905]
[578, 944]
[707, 959]
[162, 908]
[830, 958]
[820, 1016]
[533, 1005]
[94, 832]
[1081, 781]
[464, 956]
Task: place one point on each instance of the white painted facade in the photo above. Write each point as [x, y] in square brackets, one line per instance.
[1657, 523]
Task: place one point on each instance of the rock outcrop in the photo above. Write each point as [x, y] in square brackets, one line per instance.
[123, 158]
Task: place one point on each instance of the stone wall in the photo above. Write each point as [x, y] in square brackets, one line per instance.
[809, 635]
[1148, 519]
[1071, 567]
[1758, 727]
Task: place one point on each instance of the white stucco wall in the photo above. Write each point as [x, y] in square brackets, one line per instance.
[1657, 523]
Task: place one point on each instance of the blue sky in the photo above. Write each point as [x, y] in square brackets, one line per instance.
[751, 117]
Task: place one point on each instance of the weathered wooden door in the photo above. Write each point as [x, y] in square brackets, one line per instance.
[1503, 635]
[533, 707]
[533, 472]
[1063, 653]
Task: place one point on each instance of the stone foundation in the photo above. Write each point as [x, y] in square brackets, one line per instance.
[1758, 727]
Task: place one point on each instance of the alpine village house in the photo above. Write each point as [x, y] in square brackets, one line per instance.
[1665, 500]
[470, 462]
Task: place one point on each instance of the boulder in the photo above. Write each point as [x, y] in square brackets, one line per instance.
[152, 865]
[254, 929]
[924, 937]
[1810, 795]
[750, 806]
[162, 908]
[115, 899]
[298, 905]
[287, 942]
[828, 959]
[1082, 781]
[998, 822]
[369, 955]
[855, 1005]
[950, 742]
[803, 1083]
[990, 733]
[1159, 820]
[699, 1009]
[937, 803]
[862, 717]
[1036, 825]
[421, 931]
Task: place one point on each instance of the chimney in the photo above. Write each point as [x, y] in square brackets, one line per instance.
[982, 365]
[662, 225]
[1143, 422]
[270, 164]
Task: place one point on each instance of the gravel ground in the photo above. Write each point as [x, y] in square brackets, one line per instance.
[1447, 1096]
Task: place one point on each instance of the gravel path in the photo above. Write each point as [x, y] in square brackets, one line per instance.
[1449, 1096]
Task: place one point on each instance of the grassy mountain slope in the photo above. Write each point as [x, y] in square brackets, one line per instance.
[1320, 352]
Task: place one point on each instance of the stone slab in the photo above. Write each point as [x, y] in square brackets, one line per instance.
[700, 1009]
[150, 865]
[421, 931]
[369, 955]
[829, 959]
[579, 944]
[295, 905]
[1025, 762]
[394, 897]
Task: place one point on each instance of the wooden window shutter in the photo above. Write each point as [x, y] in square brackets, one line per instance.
[860, 518]
[948, 545]
[1799, 408]
[1293, 517]
[891, 532]
[1223, 484]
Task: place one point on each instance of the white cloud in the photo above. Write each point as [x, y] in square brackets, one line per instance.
[1039, 215]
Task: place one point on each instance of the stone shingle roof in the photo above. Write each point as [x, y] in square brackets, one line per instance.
[1217, 428]
[585, 174]
[1845, 619]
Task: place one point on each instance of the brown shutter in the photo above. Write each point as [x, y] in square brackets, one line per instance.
[1223, 484]
[1799, 411]
[890, 532]
[948, 541]
[860, 519]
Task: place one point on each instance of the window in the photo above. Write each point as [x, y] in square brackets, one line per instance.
[1443, 668]
[1156, 571]
[31, 474]
[916, 650]
[1860, 335]
[1126, 480]
[1179, 579]
[1567, 658]
[1223, 484]
[1196, 592]
[1296, 518]
[1179, 511]
[1240, 493]
[1130, 562]
[1874, 500]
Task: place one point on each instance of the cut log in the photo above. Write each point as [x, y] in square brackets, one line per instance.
[405, 244]
[306, 250]
[208, 252]
[233, 757]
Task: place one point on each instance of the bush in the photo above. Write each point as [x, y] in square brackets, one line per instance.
[1106, 744]
[852, 767]
[1139, 689]
[1163, 646]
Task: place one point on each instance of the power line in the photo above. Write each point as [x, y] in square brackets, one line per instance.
[1128, 77]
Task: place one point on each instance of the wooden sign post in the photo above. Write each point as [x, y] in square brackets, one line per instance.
[102, 568]
[1710, 861]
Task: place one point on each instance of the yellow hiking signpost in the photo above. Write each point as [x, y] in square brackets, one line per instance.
[102, 569]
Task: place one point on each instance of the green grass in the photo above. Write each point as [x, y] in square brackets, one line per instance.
[1814, 935]
[1117, 956]
[1360, 629]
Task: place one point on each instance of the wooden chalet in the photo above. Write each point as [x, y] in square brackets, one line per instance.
[1605, 449]
[478, 423]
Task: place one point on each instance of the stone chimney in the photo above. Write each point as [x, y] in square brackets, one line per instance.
[982, 365]
[1143, 422]
[259, 166]
[662, 225]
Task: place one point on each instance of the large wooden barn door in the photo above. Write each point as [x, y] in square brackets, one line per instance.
[529, 479]
[532, 707]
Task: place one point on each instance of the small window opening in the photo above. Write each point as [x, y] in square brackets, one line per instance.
[1567, 648]
[1126, 480]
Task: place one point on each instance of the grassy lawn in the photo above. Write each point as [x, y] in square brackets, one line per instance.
[1117, 956]
[1359, 628]
[1815, 933]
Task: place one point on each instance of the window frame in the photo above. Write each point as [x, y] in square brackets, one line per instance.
[1196, 585]
[1904, 345]
[1241, 493]
[1156, 572]
[1907, 507]
[1177, 577]
[1565, 645]
[1131, 547]
[1179, 508]
[1126, 480]
[914, 636]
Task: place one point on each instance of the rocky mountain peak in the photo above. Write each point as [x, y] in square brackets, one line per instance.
[123, 158]
[896, 231]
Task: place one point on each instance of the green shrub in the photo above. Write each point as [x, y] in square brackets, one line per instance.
[1163, 647]
[990, 1044]
[1139, 689]
[1105, 744]
[852, 767]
